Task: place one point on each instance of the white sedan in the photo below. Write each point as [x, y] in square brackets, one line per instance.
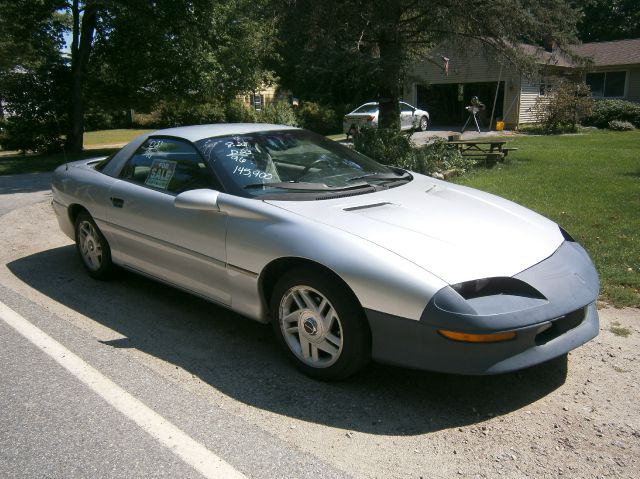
[411, 118]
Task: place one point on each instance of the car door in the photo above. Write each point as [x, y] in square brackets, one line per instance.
[180, 246]
[406, 116]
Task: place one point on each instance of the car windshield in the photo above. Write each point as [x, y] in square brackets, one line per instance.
[371, 108]
[291, 162]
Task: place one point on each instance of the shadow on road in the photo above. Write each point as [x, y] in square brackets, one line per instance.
[25, 183]
[240, 358]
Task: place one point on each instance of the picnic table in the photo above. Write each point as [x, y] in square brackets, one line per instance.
[490, 150]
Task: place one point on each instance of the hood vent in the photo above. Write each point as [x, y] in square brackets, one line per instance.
[364, 207]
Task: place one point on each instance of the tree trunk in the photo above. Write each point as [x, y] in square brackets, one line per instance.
[391, 52]
[81, 46]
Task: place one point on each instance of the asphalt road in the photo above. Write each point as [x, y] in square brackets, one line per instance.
[131, 378]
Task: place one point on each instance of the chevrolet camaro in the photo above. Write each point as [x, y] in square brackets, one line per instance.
[349, 260]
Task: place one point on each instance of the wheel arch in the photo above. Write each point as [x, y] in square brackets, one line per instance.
[278, 267]
[74, 210]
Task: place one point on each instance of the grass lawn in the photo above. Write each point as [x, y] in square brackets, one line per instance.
[109, 138]
[96, 143]
[589, 184]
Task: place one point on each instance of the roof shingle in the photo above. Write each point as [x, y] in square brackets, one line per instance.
[619, 52]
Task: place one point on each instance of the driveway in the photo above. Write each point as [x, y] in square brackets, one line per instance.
[422, 137]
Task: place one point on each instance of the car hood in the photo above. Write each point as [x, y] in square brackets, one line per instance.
[454, 232]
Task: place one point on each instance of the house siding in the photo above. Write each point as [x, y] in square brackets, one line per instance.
[633, 86]
[529, 95]
[471, 65]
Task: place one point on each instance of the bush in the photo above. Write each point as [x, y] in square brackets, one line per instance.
[386, 146]
[35, 105]
[392, 147]
[319, 118]
[148, 120]
[98, 119]
[183, 113]
[562, 110]
[436, 157]
[238, 112]
[618, 125]
[23, 133]
[605, 111]
[279, 113]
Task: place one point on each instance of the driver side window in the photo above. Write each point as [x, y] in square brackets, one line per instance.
[169, 165]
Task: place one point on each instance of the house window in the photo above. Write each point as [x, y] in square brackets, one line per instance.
[257, 101]
[607, 84]
[545, 89]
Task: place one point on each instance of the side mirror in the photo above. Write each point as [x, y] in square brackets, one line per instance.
[202, 199]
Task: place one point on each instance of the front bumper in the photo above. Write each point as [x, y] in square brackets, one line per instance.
[563, 317]
[414, 344]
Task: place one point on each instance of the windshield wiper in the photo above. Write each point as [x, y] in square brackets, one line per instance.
[302, 186]
[381, 176]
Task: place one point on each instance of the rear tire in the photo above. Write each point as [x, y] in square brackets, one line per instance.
[92, 247]
[321, 328]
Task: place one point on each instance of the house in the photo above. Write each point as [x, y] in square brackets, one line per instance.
[445, 81]
[267, 94]
[615, 69]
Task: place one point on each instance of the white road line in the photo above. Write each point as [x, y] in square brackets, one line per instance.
[188, 449]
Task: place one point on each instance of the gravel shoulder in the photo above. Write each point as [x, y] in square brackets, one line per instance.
[577, 416]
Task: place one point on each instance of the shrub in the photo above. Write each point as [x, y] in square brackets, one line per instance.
[183, 113]
[99, 119]
[435, 157]
[531, 129]
[24, 133]
[35, 105]
[392, 147]
[605, 111]
[148, 120]
[237, 112]
[319, 118]
[562, 110]
[279, 113]
[386, 146]
[618, 125]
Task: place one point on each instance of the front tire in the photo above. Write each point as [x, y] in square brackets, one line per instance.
[92, 247]
[321, 328]
[423, 124]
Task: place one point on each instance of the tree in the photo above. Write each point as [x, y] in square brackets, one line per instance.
[128, 53]
[385, 36]
[32, 74]
[605, 20]
[172, 50]
[144, 52]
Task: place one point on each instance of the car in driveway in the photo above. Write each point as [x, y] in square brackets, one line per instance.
[349, 260]
[411, 118]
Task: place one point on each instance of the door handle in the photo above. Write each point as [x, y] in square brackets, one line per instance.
[117, 202]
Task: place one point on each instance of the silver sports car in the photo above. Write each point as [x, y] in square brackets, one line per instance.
[348, 259]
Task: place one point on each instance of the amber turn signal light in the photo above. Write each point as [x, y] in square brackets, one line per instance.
[478, 338]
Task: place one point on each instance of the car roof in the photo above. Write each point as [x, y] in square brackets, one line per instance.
[376, 103]
[199, 132]
[189, 133]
